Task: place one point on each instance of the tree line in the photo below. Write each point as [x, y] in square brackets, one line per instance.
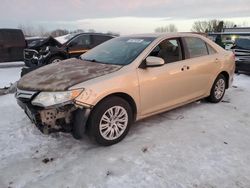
[205, 26]
[31, 31]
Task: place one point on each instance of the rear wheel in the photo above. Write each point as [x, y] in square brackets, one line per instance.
[218, 89]
[110, 121]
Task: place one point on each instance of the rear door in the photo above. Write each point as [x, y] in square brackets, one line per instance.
[79, 45]
[201, 64]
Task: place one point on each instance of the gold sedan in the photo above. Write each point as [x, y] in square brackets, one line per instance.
[124, 80]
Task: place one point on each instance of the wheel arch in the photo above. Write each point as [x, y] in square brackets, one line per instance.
[226, 75]
[59, 54]
[127, 98]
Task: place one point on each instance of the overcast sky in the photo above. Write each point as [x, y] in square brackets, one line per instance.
[123, 16]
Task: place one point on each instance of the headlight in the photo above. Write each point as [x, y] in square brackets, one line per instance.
[46, 99]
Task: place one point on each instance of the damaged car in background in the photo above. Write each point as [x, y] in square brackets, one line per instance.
[51, 50]
[112, 85]
[241, 49]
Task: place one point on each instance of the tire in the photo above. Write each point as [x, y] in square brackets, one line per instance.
[79, 123]
[218, 89]
[236, 70]
[100, 121]
[54, 59]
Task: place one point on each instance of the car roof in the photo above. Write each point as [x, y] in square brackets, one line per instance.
[91, 33]
[165, 35]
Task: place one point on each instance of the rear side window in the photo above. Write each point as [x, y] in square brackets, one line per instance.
[195, 47]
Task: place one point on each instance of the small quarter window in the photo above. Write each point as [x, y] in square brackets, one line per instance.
[211, 50]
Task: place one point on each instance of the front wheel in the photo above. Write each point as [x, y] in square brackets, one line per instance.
[218, 89]
[54, 59]
[110, 121]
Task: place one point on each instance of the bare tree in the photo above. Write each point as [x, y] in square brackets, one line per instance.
[91, 31]
[77, 31]
[229, 24]
[27, 30]
[211, 26]
[59, 32]
[41, 31]
[168, 28]
[113, 33]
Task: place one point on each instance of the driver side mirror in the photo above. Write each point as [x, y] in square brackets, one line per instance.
[152, 61]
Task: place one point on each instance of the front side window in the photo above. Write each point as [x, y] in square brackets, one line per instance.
[118, 51]
[82, 40]
[196, 47]
[169, 50]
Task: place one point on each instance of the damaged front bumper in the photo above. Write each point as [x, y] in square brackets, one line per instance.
[59, 118]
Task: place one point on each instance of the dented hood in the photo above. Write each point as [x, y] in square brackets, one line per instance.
[50, 41]
[63, 75]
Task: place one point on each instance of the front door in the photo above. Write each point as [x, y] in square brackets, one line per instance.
[164, 86]
[79, 45]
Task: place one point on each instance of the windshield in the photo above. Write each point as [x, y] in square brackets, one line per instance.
[65, 38]
[243, 43]
[118, 51]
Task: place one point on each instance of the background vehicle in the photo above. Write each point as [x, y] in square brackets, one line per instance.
[241, 50]
[31, 41]
[12, 44]
[113, 85]
[51, 50]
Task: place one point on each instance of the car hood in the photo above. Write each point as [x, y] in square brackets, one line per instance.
[50, 41]
[63, 75]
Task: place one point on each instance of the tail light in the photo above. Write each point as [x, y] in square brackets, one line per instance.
[234, 57]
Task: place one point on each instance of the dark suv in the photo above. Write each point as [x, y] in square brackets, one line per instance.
[12, 44]
[241, 50]
[51, 50]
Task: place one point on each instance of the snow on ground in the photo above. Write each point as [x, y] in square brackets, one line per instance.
[200, 145]
[10, 73]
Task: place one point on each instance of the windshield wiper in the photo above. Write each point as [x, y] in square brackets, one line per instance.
[91, 60]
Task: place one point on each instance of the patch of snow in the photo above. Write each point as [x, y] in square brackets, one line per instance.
[63, 39]
[9, 75]
[200, 145]
[12, 64]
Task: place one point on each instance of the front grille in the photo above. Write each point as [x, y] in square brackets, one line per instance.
[29, 54]
[25, 95]
[242, 55]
